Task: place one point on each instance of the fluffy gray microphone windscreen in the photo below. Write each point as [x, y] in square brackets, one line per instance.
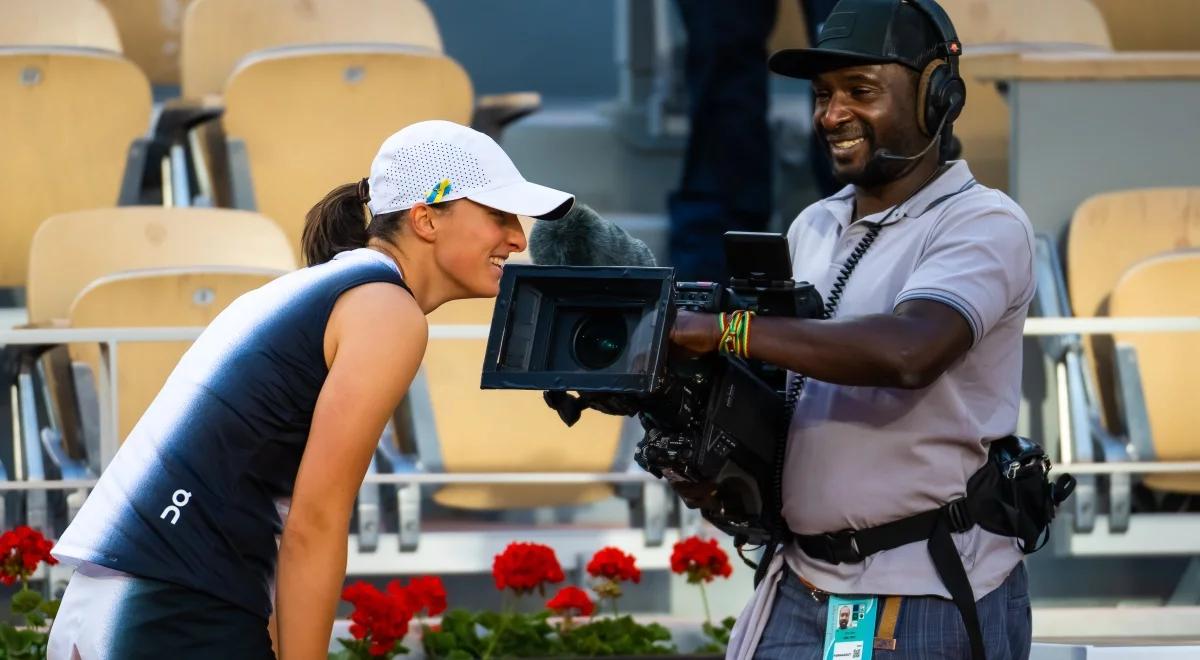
[583, 238]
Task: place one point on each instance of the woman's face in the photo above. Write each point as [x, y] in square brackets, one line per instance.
[473, 242]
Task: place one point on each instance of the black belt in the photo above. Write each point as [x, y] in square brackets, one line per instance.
[852, 546]
[1010, 495]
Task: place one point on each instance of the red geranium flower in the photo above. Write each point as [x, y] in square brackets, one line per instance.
[524, 567]
[613, 564]
[429, 593]
[380, 618]
[571, 601]
[701, 561]
[21, 550]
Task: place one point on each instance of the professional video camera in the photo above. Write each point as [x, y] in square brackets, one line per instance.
[602, 331]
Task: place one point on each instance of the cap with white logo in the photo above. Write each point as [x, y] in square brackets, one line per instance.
[439, 161]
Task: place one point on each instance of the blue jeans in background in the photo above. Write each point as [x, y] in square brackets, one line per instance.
[929, 628]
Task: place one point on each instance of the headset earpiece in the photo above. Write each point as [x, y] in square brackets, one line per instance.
[940, 94]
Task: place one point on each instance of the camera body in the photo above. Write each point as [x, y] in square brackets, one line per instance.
[603, 332]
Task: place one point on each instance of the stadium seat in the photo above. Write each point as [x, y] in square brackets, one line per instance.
[1071, 22]
[217, 34]
[67, 122]
[1165, 285]
[1115, 404]
[1108, 234]
[72, 250]
[155, 297]
[1152, 24]
[791, 28]
[301, 121]
[503, 430]
[990, 28]
[150, 32]
[68, 23]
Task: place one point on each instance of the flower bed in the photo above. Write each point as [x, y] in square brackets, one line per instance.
[22, 550]
[570, 625]
[576, 620]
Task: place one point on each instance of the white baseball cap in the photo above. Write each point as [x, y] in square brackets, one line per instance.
[439, 161]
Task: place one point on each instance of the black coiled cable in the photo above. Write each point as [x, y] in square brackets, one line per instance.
[796, 384]
[796, 387]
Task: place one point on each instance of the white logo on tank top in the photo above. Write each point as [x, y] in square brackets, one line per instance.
[179, 499]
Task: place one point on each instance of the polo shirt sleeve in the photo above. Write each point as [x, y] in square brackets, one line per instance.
[978, 261]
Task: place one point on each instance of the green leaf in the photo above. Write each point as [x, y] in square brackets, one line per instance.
[36, 619]
[10, 637]
[25, 601]
[50, 607]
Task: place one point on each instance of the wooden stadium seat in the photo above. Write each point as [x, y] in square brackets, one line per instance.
[219, 33]
[1075, 22]
[1166, 285]
[71, 23]
[71, 250]
[150, 32]
[506, 430]
[791, 27]
[1152, 24]
[190, 296]
[987, 28]
[66, 123]
[312, 118]
[1108, 234]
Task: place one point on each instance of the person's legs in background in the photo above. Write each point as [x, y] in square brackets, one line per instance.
[815, 13]
[726, 182]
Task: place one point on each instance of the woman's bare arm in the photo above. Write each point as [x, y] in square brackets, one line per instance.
[375, 340]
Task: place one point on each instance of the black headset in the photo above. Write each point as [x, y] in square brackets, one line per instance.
[941, 92]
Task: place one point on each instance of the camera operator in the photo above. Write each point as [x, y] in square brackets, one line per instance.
[926, 275]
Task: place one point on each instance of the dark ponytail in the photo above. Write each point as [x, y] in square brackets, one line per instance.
[336, 224]
[339, 223]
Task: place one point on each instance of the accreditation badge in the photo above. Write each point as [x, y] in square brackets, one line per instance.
[850, 628]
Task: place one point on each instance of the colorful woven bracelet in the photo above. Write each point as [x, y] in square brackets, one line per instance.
[735, 332]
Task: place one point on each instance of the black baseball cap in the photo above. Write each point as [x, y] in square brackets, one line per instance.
[860, 32]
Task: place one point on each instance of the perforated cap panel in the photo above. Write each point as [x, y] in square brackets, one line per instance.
[438, 161]
[413, 173]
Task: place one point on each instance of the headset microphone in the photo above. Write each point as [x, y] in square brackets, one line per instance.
[884, 154]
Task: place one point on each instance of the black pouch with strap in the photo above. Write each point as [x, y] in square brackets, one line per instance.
[1011, 495]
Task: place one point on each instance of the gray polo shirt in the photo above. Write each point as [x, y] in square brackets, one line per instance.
[863, 456]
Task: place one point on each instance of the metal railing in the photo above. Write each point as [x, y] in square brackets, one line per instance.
[109, 340]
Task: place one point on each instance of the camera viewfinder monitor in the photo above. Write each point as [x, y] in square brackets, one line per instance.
[583, 328]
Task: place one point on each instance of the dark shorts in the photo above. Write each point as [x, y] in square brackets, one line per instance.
[108, 615]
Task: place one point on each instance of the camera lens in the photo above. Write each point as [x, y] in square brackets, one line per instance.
[599, 340]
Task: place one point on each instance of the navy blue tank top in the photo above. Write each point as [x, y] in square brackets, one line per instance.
[193, 496]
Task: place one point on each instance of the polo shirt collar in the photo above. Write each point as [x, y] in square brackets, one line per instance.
[841, 204]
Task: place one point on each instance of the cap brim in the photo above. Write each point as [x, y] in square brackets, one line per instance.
[525, 198]
[806, 63]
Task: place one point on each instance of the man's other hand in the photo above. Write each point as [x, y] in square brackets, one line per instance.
[698, 333]
[694, 494]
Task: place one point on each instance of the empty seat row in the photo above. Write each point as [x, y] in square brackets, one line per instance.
[1126, 395]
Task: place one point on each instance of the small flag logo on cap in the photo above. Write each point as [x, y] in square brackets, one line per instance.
[439, 191]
